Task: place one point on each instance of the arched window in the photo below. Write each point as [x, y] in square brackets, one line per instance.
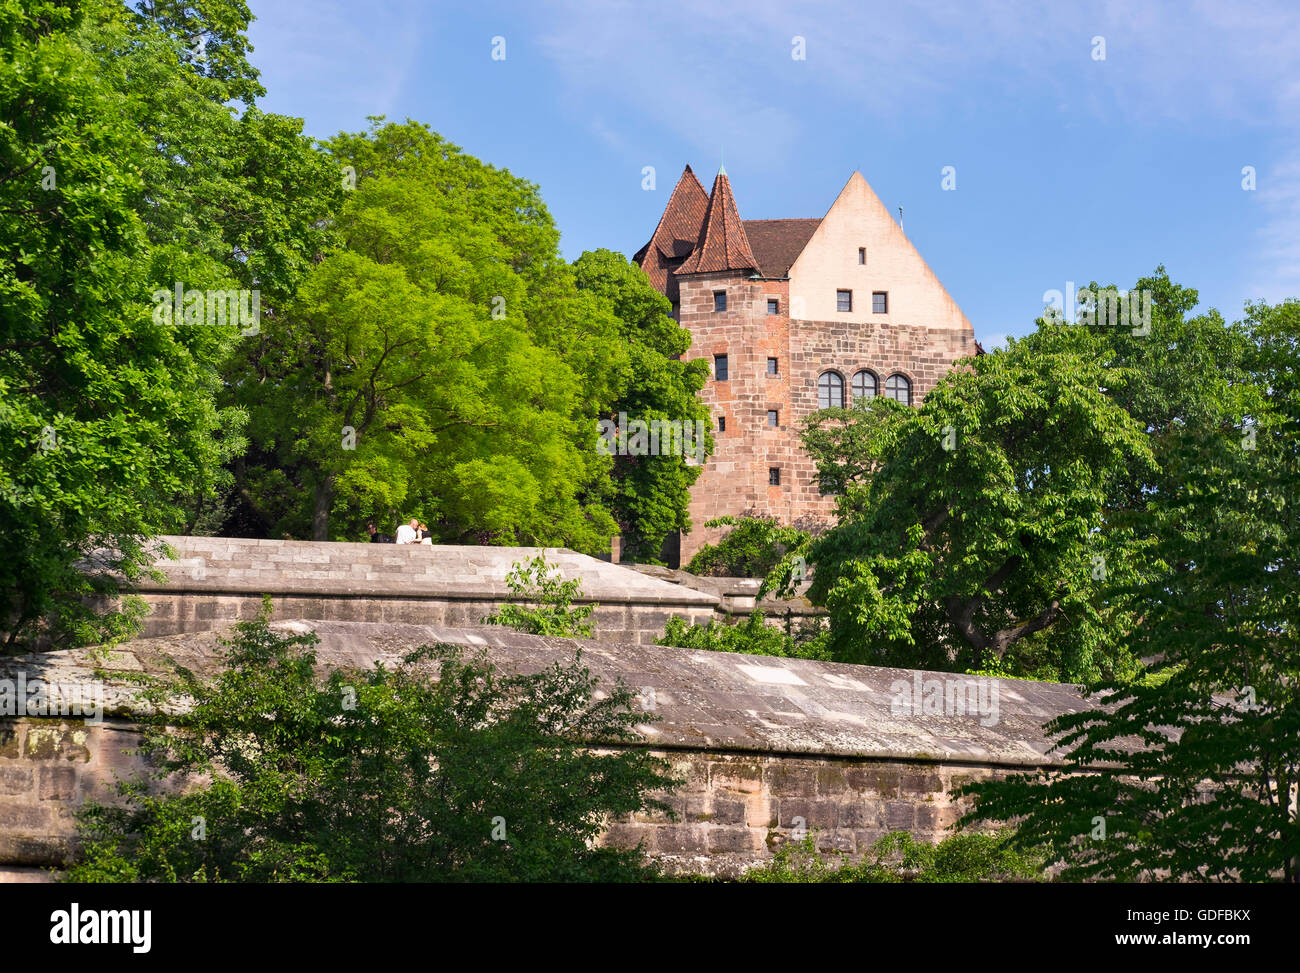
[830, 391]
[864, 386]
[898, 388]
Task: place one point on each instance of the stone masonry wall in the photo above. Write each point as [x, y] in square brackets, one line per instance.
[735, 477]
[215, 580]
[182, 610]
[734, 809]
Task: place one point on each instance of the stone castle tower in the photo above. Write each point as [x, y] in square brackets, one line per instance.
[794, 315]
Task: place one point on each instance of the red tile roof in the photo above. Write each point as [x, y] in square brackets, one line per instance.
[695, 222]
[778, 243]
[722, 244]
[675, 236]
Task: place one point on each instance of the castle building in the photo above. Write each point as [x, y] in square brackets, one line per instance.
[793, 315]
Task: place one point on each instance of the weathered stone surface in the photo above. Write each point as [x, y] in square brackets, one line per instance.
[757, 741]
[15, 780]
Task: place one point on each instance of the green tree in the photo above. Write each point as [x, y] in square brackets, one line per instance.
[650, 495]
[237, 199]
[107, 416]
[438, 769]
[440, 362]
[1191, 774]
[972, 529]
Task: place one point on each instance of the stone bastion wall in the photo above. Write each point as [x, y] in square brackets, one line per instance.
[759, 741]
[212, 581]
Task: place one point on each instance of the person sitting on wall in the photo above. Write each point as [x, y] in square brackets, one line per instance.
[375, 536]
[406, 533]
[422, 534]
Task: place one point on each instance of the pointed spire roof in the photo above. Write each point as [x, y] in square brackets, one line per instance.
[679, 226]
[675, 236]
[722, 244]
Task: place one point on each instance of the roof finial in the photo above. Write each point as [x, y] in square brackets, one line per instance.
[722, 163]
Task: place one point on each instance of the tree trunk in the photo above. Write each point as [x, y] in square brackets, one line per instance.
[320, 516]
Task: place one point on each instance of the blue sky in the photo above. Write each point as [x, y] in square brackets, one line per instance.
[1068, 168]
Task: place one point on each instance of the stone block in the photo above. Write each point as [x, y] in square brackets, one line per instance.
[57, 783]
[920, 784]
[744, 777]
[730, 839]
[874, 780]
[861, 814]
[831, 781]
[26, 817]
[626, 836]
[815, 813]
[15, 780]
[900, 815]
[834, 842]
[678, 839]
[790, 780]
[729, 811]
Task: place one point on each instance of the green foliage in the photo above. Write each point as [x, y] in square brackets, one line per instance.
[437, 769]
[1190, 775]
[650, 494]
[547, 601]
[752, 549]
[471, 364]
[751, 637]
[108, 418]
[1006, 524]
[898, 857]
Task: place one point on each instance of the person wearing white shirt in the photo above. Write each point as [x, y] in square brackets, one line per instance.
[406, 533]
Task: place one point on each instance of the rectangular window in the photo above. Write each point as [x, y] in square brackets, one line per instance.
[773, 418]
[773, 305]
[719, 300]
[774, 476]
[880, 302]
[844, 300]
[771, 366]
[722, 423]
[862, 255]
[720, 367]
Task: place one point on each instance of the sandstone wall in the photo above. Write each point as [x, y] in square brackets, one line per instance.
[216, 580]
[759, 741]
[733, 811]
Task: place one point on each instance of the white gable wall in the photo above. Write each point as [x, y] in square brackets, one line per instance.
[829, 262]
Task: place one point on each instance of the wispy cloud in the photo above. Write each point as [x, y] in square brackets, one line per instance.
[350, 60]
[721, 75]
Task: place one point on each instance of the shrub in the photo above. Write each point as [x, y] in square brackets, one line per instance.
[439, 769]
[752, 636]
[547, 599]
[751, 549]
